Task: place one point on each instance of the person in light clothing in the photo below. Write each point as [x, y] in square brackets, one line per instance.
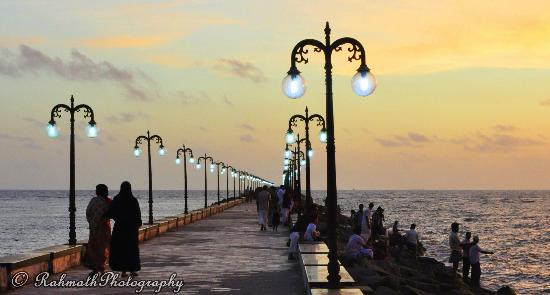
[263, 207]
[366, 222]
[411, 237]
[355, 250]
[475, 250]
[312, 233]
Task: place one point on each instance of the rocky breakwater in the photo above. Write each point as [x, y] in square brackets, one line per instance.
[401, 272]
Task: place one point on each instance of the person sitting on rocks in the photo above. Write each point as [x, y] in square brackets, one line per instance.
[412, 238]
[475, 250]
[312, 234]
[355, 250]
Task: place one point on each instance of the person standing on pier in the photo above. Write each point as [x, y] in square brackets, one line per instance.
[366, 222]
[124, 243]
[358, 217]
[263, 206]
[97, 249]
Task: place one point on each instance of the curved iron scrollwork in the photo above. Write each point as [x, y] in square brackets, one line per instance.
[299, 52]
[355, 48]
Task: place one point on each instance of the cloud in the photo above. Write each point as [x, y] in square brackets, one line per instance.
[545, 103]
[35, 122]
[128, 41]
[24, 141]
[187, 98]
[499, 143]
[246, 138]
[227, 101]
[126, 117]
[247, 126]
[410, 139]
[240, 69]
[504, 128]
[79, 67]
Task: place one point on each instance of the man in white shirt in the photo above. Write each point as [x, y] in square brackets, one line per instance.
[280, 196]
[412, 238]
[475, 250]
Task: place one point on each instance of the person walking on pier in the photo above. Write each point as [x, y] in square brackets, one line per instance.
[125, 212]
[263, 206]
[97, 250]
[475, 250]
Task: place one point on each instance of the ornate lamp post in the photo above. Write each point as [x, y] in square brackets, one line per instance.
[137, 153]
[363, 84]
[53, 131]
[205, 158]
[322, 136]
[218, 164]
[184, 151]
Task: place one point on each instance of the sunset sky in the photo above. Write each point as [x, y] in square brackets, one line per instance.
[462, 102]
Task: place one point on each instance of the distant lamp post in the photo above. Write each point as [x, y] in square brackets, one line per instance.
[218, 165]
[226, 170]
[292, 122]
[363, 83]
[53, 131]
[184, 151]
[205, 158]
[137, 153]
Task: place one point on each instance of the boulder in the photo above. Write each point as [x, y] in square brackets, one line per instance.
[507, 290]
[382, 290]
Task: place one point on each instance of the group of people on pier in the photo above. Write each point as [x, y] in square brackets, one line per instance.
[273, 205]
[121, 248]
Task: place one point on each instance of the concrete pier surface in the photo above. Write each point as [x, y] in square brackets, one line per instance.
[223, 254]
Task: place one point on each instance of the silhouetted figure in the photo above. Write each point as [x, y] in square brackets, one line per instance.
[97, 250]
[359, 215]
[124, 243]
[475, 250]
[287, 203]
[466, 245]
[378, 222]
[454, 244]
[312, 234]
[275, 220]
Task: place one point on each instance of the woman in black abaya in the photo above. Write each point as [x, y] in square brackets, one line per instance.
[124, 252]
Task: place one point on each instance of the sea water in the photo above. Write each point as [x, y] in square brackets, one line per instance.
[514, 224]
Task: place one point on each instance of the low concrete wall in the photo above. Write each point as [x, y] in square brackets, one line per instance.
[56, 259]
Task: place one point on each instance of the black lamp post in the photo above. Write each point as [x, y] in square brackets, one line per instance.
[309, 151]
[53, 131]
[184, 150]
[363, 83]
[137, 152]
[205, 158]
[227, 168]
[218, 164]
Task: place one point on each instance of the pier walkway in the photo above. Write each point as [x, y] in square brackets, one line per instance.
[223, 254]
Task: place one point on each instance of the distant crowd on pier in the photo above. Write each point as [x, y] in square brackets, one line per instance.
[369, 238]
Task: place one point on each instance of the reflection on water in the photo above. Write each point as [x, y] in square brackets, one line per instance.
[515, 224]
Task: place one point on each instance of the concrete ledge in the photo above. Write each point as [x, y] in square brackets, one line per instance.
[163, 226]
[62, 257]
[31, 263]
[141, 233]
[350, 291]
[183, 220]
[151, 231]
